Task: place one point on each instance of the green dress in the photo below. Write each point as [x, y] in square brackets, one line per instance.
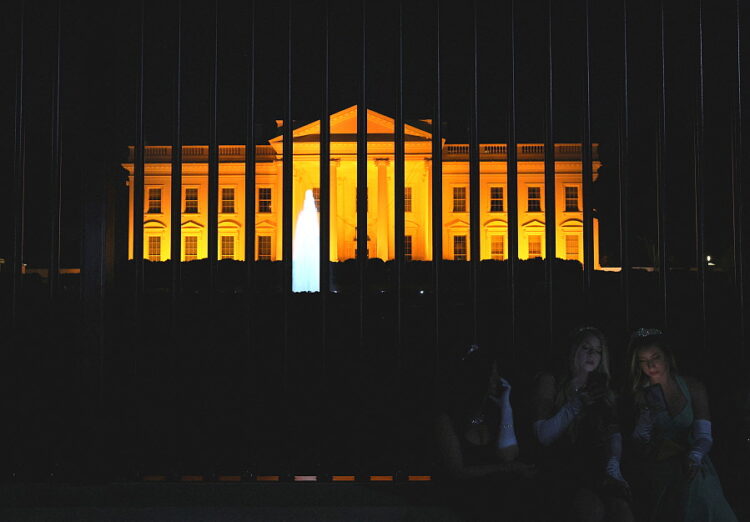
[674, 497]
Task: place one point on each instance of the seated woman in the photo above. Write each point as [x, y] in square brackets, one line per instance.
[673, 430]
[578, 429]
[476, 441]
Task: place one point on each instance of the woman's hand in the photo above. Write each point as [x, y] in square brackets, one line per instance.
[692, 468]
[593, 393]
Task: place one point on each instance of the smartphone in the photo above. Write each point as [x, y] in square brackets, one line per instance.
[596, 380]
[655, 398]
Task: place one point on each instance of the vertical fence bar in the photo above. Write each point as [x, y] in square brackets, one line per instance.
[325, 229]
[661, 202]
[737, 197]
[249, 451]
[138, 176]
[437, 192]
[325, 182]
[287, 198]
[19, 177]
[56, 168]
[587, 171]
[250, 162]
[549, 179]
[362, 253]
[176, 180]
[698, 169]
[213, 160]
[474, 183]
[512, 181]
[623, 176]
[399, 184]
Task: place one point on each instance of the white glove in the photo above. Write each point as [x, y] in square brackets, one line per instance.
[549, 430]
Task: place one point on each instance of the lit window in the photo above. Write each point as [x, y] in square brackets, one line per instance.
[191, 248]
[496, 199]
[264, 248]
[407, 248]
[571, 199]
[264, 200]
[154, 201]
[571, 247]
[316, 197]
[459, 248]
[154, 248]
[535, 247]
[407, 199]
[227, 201]
[227, 247]
[497, 247]
[535, 199]
[191, 201]
[459, 199]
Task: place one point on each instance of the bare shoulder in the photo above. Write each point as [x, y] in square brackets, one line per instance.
[699, 398]
[695, 386]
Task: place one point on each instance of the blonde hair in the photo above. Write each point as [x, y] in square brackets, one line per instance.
[638, 341]
[577, 337]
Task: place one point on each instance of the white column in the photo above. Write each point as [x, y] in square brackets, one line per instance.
[427, 191]
[334, 211]
[383, 221]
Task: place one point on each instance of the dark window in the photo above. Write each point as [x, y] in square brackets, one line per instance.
[535, 199]
[264, 200]
[571, 199]
[191, 201]
[227, 201]
[227, 247]
[154, 201]
[496, 199]
[264, 248]
[535, 246]
[407, 248]
[459, 248]
[154, 248]
[571, 247]
[407, 199]
[459, 199]
[191, 248]
[497, 247]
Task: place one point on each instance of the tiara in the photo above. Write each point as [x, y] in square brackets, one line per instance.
[647, 332]
[586, 329]
[472, 348]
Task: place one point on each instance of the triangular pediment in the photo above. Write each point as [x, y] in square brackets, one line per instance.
[534, 223]
[344, 128]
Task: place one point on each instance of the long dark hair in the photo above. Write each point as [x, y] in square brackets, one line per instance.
[467, 388]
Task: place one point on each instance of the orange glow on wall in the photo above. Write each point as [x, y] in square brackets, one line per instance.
[380, 179]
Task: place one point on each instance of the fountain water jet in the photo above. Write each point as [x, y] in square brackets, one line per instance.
[306, 248]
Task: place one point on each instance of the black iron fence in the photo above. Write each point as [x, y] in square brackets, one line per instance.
[214, 366]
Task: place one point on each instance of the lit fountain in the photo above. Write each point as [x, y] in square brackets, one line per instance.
[306, 248]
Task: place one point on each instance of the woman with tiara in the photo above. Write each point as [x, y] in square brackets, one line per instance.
[576, 425]
[673, 433]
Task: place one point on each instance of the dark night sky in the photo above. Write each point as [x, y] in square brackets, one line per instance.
[99, 79]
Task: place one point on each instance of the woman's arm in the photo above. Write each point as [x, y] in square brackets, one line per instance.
[549, 427]
[702, 439]
[506, 445]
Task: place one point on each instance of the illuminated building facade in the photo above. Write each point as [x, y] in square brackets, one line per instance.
[380, 182]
